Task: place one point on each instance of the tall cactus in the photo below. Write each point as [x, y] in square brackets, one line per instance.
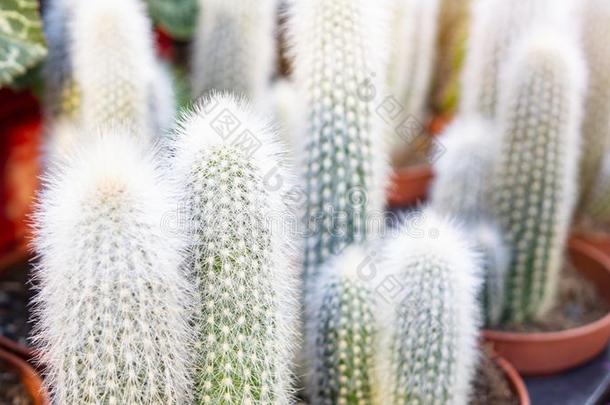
[234, 47]
[113, 63]
[343, 333]
[534, 183]
[338, 48]
[597, 208]
[496, 26]
[596, 123]
[461, 187]
[239, 258]
[429, 338]
[113, 306]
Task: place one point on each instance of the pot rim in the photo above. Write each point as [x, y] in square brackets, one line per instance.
[30, 379]
[514, 378]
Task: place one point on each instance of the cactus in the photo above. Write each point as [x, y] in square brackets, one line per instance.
[461, 186]
[494, 263]
[286, 107]
[534, 183]
[113, 307]
[162, 101]
[597, 209]
[114, 78]
[429, 335]
[496, 26]
[234, 47]
[342, 333]
[596, 124]
[243, 270]
[337, 47]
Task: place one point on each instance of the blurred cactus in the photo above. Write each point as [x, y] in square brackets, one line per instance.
[463, 173]
[596, 123]
[342, 333]
[430, 333]
[113, 307]
[597, 208]
[534, 184]
[240, 261]
[287, 109]
[114, 80]
[162, 99]
[337, 48]
[234, 47]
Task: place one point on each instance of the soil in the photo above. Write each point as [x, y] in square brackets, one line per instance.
[13, 392]
[579, 303]
[490, 385]
[14, 298]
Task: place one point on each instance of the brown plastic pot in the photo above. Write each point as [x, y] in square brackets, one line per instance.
[552, 352]
[409, 185]
[29, 377]
[514, 379]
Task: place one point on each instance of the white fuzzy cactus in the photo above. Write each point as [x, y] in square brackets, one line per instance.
[287, 110]
[596, 123]
[338, 46]
[162, 99]
[240, 260]
[114, 63]
[597, 208]
[534, 183]
[496, 26]
[234, 47]
[429, 336]
[463, 172]
[113, 306]
[342, 333]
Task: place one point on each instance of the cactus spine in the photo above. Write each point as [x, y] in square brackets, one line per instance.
[342, 333]
[337, 47]
[596, 123]
[535, 179]
[240, 261]
[461, 186]
[114, 79]
[113, 307]
[430, 337]
[234, 47]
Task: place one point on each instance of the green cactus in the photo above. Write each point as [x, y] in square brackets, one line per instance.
[240, 261]
[342, 334]
[534, 183]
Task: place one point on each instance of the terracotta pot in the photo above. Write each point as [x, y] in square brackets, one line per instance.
[514, 379]
[409, 185]
[552, 352]
[599, 240]
[29, 378]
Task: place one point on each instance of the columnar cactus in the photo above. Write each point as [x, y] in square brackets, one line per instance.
[429, 339]
[597, 208]
[496, 26]
[494, 264]
[337, 45]
[113, 63]
[239, 258]
[596, 123]
[461, 186]
[534, 183]
[234, 47]
[342, 333]
[287, 109]
[113, 307]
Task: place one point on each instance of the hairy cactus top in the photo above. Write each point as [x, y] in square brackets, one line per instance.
[239, 256]
[113, 307]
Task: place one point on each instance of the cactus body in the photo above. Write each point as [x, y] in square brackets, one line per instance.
[596, 123]
[430, 337]
[243, 271]
[162, 100]
[463, 173]
[337, 47]
[535, 180]
[113, 307]
[343, 333]
[114, 79]
[597, 209]
[234, 47]
[287, 109]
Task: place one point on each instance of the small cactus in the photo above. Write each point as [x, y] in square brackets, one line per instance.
[342, 333]
[596, 124]
[113, 58]
[234, 47]
[534, 183]
[461, 186]
[244, 274]
[429, 337]
[597, 209]
[113, 306]
[337, 46]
